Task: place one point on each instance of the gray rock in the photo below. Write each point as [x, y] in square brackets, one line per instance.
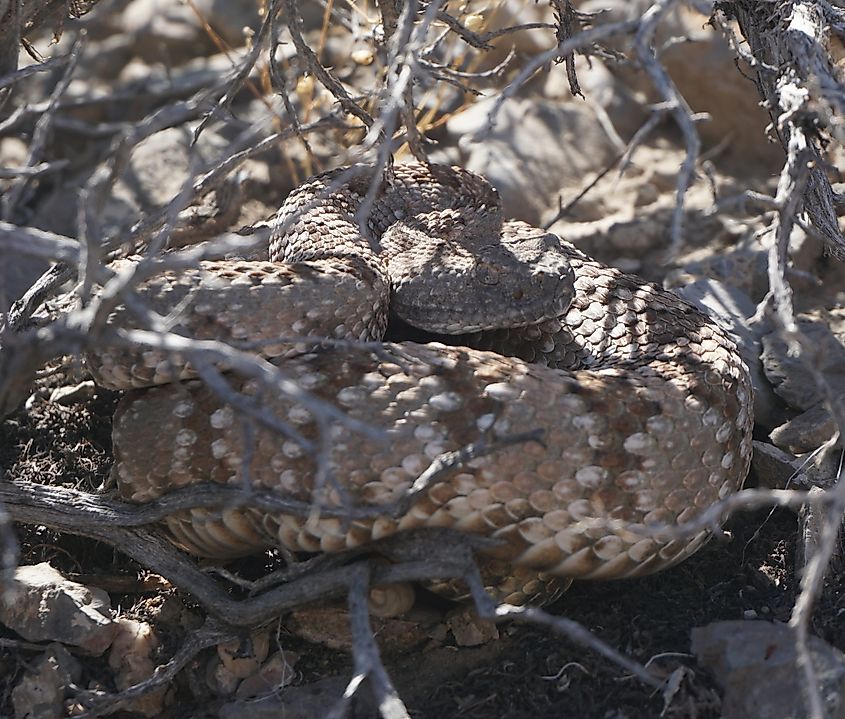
[755, 662]
[536, 150]
[790, 375]
[131, 658]
[806, 432]
[164, 30]
[17, 277]
[774, 468]
[705, 71]
[275, 674]
[155, 174]
[610, 99]
[741, 267]
[303, 702]
[40, 694]
[41, 605]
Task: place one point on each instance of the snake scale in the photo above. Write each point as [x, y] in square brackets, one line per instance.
[643, 404]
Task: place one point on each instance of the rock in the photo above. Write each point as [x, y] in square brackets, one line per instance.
[329, 626]
[276, 673]
[243, 657]
[219, 679]
[774, 468]
[806, 432]
[608, 98]
[303, 702]
[755, 662]
[742, 268]
[105, 60]
[163, 29]
[510, 13]
[41, 605]
[703, 67]
[629, 216]
[469, 629]
[16, 277]
[131, 658]
[13, 153]
[41, 693]
[155, 173]
[391, 600]
[705, 72]
[537, 148]
[789, 374]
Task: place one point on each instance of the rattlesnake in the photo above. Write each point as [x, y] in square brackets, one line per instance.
[643, 403]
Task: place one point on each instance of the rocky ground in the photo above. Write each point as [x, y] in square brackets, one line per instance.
[86, 620]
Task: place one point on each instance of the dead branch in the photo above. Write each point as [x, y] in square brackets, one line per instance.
[585, 38]
[417, 556]
[19, 18]
[87, 515]
[802, 95]
[328, 81]
[12, 77]
[673, 103]
[42, 129]
[244, 68]
[367, 656]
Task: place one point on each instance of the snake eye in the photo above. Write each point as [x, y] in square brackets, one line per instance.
[488, 274]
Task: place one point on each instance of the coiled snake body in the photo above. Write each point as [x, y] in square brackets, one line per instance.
[643, 403]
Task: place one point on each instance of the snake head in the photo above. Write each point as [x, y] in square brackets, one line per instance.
[472, 275]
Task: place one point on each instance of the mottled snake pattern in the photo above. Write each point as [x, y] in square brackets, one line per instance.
[642, 402]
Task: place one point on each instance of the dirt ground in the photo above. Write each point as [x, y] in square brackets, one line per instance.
[139, 58]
